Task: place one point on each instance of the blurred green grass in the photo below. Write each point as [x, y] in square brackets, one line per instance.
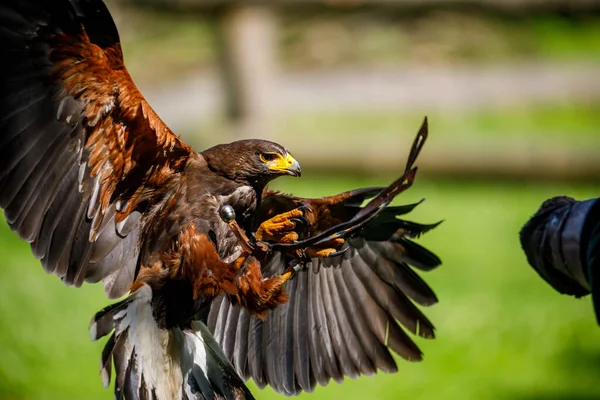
[502, 333]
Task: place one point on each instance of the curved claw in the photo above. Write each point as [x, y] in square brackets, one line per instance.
[300, 221]
[324, 252]
[304, 208]
[339, 252]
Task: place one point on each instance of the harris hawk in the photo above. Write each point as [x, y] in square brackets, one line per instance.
[224, 280]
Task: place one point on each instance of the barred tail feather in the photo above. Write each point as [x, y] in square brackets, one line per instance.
[161, 364]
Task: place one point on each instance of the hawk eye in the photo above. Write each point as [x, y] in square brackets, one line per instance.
[267, 157]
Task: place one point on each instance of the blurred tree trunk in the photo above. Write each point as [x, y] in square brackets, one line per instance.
[248, 58]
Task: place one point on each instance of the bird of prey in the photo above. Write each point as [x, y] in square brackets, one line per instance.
[562, 243]
[224, 280]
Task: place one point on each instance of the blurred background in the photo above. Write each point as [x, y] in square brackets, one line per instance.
[512, 92]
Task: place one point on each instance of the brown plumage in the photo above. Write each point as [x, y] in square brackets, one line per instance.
[105, 191]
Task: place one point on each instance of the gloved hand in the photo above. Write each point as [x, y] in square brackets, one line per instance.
[562, 243]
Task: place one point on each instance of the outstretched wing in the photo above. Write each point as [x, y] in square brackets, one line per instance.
[82, 154]
[345, 313]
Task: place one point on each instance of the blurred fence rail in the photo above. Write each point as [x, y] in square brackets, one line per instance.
[247, 33]
[484, 161]
[184, 105]
[255, 91]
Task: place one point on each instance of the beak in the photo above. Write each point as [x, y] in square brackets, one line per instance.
[287, 165]
[294, 169]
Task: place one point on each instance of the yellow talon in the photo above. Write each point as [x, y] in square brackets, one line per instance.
[324, 252]
[287, 275]
[278, 228]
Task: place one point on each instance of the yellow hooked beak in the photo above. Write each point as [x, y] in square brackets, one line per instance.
[286, 165]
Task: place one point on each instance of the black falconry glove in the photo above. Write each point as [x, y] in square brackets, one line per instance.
[562, 243]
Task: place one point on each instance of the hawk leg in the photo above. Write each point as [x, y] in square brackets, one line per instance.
[282, 228]
[257, 294]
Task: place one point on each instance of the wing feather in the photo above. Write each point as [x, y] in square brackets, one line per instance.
[376, 319]
[271, 352]
[301, 341]
[397, 303]
[346, 314]
[77, 138]
[255, 356]
[286, 338]
[403, 278]
[324, 337]
[19, 212]
[240, 352]
[317, 351]
[228, 344]
[340, 335]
